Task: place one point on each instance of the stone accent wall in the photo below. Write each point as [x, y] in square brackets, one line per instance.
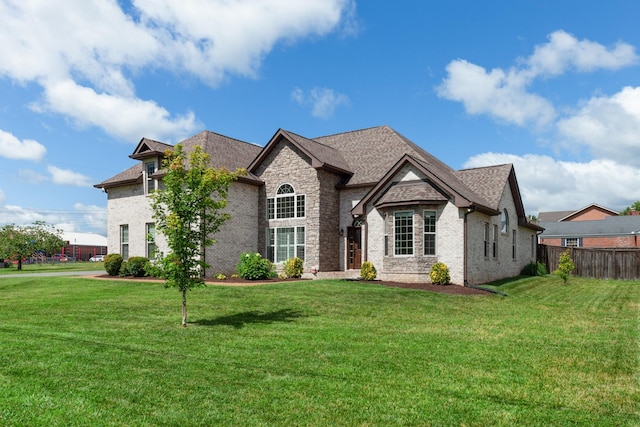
[288, 165]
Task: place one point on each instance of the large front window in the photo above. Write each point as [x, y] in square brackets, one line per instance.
[403, 233]
[284, 243]
[286, 204]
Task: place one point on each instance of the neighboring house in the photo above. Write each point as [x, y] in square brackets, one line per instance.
[339, 200]
[593, 226]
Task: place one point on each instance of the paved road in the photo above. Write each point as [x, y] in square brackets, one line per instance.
[52, 273]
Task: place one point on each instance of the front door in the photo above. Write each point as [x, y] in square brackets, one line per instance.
[354, 248]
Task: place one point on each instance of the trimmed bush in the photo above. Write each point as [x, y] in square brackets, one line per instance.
[137, 266]
[112, 263]
[253, 267]
[368, 271]
[293, 268]
[440, 274]
[534, 269]
[124, 269]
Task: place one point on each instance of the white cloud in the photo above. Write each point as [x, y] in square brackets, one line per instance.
[565, 51]
[505, 95]
[13, 148]
[547, 184]
[68, 177]
[608, 126]
[124, 117]
[497, 93]
[84, 54]
[323, 101]
[84, 218]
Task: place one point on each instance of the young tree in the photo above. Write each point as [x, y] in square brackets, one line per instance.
[188, 212]
[18, 243]
[634, 207]
[565, 266]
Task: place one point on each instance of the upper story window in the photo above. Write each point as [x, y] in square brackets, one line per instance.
[504, 222]
[286, 204]
[150, 184]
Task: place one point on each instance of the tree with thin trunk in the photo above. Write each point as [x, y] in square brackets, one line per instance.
[188, 211]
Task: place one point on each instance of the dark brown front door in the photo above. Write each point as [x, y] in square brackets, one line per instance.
[354, 248]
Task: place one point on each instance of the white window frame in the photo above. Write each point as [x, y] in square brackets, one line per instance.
[151, 247]
[149, 183]
[396, 216]
[504, 222]
[298, 208]
[296, 246]
[432, 214]
[124, 241]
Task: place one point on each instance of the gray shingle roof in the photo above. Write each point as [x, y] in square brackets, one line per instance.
[487, 182]
[609, 226]
[370, 153]
[223, 151]
[412, 192]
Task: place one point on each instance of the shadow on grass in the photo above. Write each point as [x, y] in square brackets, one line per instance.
[239, 320]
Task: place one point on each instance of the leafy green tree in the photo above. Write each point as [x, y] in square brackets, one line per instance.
[634, 207]
[565, 266]
[18, 243]
[188, 212]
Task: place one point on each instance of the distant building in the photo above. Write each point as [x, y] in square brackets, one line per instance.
[593, 226]
[83, 246]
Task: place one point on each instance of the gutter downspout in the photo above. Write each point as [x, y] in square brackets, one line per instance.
[464, 238]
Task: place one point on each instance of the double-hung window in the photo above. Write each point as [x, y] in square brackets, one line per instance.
[429, 218]
[151, 240]
[124, 241]
[149, 182]
[403, 233]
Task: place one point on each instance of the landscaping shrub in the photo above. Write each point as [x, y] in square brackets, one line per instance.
[368, 271]
[440, 274]
[534, 269]
[137, 266]
[253, 267]
[112, 263]
[293, 268]
[565, 266]
[124, 269]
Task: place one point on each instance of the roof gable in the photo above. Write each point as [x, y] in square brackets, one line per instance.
[441, 180]
[149, 148]
[321, 156]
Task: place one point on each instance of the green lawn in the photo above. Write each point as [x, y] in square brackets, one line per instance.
[78, 351]
[53, 266]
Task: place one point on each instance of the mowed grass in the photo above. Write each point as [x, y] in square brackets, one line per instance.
[78, 351]
[53, 267]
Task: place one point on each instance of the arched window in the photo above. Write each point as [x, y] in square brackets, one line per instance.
[504, 221]
[286, 204]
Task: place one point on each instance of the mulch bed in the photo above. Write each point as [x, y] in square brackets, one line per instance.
[447, 289]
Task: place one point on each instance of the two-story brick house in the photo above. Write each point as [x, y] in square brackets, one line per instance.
[339, 200]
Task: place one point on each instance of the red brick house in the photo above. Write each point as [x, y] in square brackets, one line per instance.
[593, 226]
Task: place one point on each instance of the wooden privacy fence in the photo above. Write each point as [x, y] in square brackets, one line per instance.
[617, 263]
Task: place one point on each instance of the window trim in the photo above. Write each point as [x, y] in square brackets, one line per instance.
[504, 222]
[298, 243]
[147, 180]
[432, 214]
[410, 215]
[124, 241]
[298, 203]
[151, 248]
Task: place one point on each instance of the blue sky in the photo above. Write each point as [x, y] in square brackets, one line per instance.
[550, 86]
